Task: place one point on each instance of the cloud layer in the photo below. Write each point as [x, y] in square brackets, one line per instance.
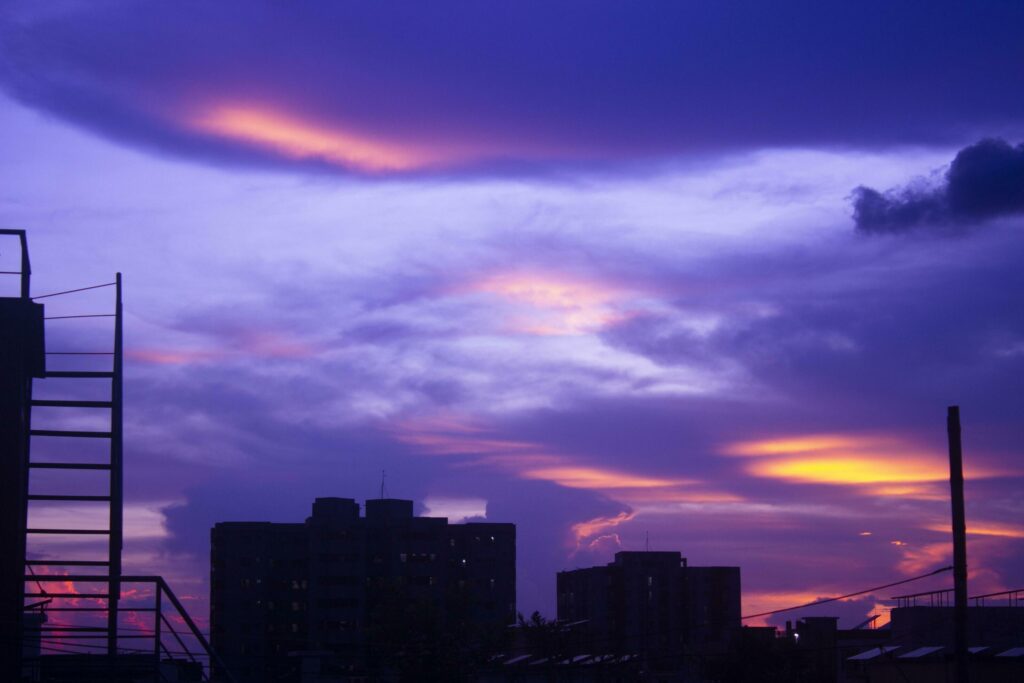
[707, 358]
[458, 86]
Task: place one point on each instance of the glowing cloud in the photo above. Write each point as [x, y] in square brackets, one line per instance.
[451, 436]
[983, 529]
[890, 465]
[802, 444]
[591, 533]
[848, 470]
[598, 525]
[556, 304]
[457, 510]
[596, 478]
[297, 139]
[919, 559]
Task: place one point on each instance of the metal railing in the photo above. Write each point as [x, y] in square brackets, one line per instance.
[155, 631]
[1013, 598]
[939, 598]
[944, 598]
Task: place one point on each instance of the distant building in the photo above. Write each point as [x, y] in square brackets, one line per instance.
[652, 604]
[346, 594]
[915, 646]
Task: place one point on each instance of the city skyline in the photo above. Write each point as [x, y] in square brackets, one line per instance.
[608, 276]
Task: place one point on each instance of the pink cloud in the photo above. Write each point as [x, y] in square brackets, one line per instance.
[552, 304]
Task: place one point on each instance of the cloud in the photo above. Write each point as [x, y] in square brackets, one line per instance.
[454, 86]
[985, 181]
[752, 279]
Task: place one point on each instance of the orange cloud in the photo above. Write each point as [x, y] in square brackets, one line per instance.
[556, 304]
[848, 469]
[983, 529]
[918, 491]
[814, 443]
[888, 465]
[446, 435]
[920, 559]
[295, 138]
[757, 602]
[454, 436]
[596, 478]
[597, 525]
[688, 495]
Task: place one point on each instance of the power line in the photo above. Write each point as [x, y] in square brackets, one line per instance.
[72, 291]
[90, 315]
[848, 595]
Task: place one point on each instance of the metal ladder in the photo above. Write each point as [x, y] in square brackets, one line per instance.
[95, 653]
[113, 498]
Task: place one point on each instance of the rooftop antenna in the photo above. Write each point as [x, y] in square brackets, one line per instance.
[647, 541]
[383, 476]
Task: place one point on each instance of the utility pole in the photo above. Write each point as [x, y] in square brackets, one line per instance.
[956, 489]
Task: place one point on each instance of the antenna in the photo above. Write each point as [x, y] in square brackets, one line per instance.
[383, 476]
[647, 541]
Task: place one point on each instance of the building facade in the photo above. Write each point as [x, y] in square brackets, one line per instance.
[652, 604]
[347, 592]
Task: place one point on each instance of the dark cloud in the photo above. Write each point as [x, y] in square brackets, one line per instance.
[985, 180]
[527, 83]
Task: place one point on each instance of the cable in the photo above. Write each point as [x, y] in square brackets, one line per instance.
[79, 353]
[848, 595]
[39, 585]
[72, 291]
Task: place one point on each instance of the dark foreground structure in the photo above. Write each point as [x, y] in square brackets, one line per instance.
[21, 360]
[653, 605]
[916, 646]
[343, 597]
[67, 612]
[647, 616]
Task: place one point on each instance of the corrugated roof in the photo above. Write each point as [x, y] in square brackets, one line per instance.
[922, 652]
[872, 653]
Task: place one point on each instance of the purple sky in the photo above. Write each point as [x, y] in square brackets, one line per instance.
[708, 272]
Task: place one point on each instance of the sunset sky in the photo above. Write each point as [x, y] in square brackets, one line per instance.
[707, 273]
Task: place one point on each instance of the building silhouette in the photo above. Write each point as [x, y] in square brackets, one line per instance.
[653, 605]
[346, 595]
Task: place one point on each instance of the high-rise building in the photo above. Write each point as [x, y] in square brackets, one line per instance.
[351, 592]
[653, 605]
